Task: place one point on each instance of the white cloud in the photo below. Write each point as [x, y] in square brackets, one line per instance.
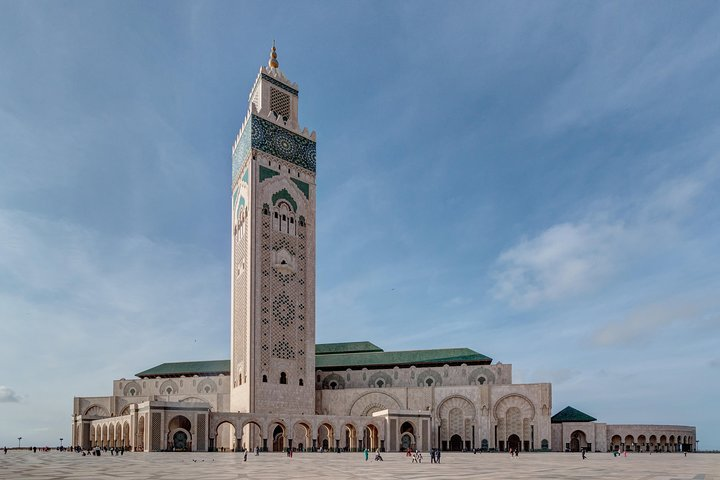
[570, 258]
[8, 395]
[562, 260]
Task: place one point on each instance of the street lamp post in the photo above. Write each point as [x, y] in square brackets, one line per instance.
[61, 442]
[19, 438]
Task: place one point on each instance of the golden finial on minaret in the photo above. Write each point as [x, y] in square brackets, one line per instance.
[273, 63]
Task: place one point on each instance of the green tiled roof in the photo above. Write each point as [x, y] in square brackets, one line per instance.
[330, 356]
[205, 368]
[346, 347]
[569, 414]
[439, 356]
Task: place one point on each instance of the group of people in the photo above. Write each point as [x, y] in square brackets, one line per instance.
[378, 457]
[514, 452]
[434, 455]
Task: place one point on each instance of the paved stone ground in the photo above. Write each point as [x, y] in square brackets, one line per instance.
[225, 466]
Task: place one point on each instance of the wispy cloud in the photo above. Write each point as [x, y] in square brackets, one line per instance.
[563, 260]
[8, 395]
[571, 258]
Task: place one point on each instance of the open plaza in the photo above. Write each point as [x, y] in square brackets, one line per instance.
[226, 466]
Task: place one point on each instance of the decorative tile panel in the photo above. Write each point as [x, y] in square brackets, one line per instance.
[304, 187]
[266, 173]
[282, 143]
[241, 152]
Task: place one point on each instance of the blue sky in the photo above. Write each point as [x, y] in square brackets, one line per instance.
[534, 180]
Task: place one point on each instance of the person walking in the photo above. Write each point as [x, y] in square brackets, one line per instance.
[437, 458]
[583, 453]
[367, 454]
[245, 456]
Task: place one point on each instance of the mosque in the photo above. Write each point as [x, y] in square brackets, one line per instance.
[280, 390]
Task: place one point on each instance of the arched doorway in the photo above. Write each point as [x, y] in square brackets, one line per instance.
[226, 438]
[577, 441]
[350, 438]
[125, 439]
[252, 435]
[180, 441]
[302, 436]
[278, 439]
[456, 443]
[140, 438]
[183, 442]
[513, 442]
[629, 442]
[407, 436]
[371, 438]
[326, 436]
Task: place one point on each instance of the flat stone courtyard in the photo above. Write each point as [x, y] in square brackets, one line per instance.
[221, 466]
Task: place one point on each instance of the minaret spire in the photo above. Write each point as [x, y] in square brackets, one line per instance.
[273, 63]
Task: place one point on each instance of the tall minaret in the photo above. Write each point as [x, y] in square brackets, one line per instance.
[273, 252]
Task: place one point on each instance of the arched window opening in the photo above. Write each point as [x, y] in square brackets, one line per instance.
[239, 379]
[283, 378]
[283, 218]
[264, 378]
[481, 380]
[429, 382]
[380, 383]
[300, 382]
[333, 385]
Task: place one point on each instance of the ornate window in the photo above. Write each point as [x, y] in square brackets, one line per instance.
[283, 218]
[283, 378]
[280, 103]
[300, 382]
[264, 378]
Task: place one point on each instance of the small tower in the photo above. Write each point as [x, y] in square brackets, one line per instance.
[273, 252]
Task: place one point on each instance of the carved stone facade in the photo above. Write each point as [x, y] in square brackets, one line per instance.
[280, 390]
